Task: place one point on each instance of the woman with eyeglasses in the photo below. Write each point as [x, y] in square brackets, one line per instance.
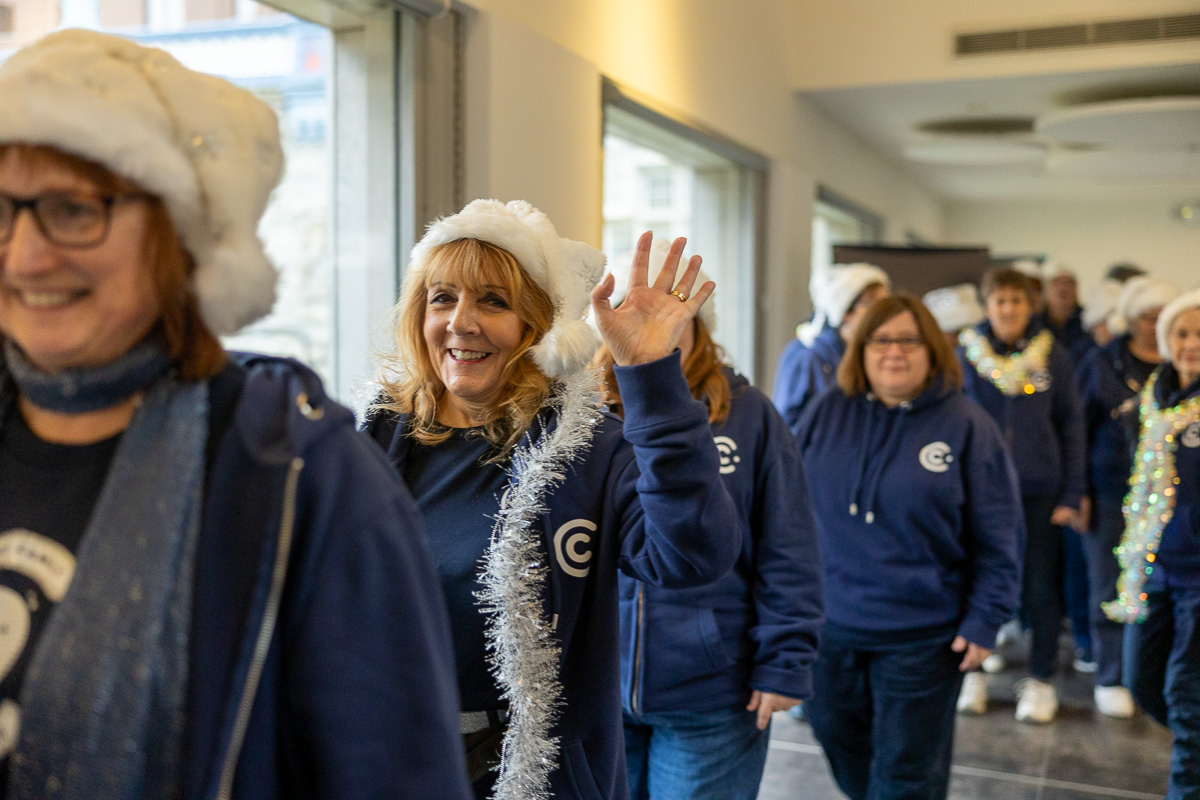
[919, 525]
[1024, 379]
[210, 584]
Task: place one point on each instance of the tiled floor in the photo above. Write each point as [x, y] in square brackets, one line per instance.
[1081, 756]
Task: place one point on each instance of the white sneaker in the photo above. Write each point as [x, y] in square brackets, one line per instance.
[994, 663]
[1037, 701]
[1114, 701]
[972, 698]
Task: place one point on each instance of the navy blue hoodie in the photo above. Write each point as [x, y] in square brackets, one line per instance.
[1043, 430]
[1178, 562]
[1070, 334]
[918, 513]
[1109, 391]
[804, 372]
[646, 499]
[348, 691]
[705, 648]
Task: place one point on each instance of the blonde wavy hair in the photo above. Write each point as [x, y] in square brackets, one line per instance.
[408, 375]
[702, 370]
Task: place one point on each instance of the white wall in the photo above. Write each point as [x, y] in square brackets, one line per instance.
[534, 125]
[840, 43]
[1086, 236]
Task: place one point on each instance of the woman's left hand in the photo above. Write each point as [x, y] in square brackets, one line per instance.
[1063, 515]
[973, 654]
[766, 704]
[651, 320]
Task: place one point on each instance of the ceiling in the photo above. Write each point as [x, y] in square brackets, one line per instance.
[888, 118]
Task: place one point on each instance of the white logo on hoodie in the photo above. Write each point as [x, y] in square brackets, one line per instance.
[727, 449]
[935, 457]
[1191, 437]
[568, 541]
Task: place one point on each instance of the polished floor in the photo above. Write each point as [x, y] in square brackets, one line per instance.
[1080, 756]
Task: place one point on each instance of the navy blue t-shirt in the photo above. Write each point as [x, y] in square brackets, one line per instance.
[451, 485]
[49, 492]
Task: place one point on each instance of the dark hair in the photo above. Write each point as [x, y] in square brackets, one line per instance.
[1006, 278]
[852, 374]
[180, 328]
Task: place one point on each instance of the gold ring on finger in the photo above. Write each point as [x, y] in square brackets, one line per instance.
[682, 297]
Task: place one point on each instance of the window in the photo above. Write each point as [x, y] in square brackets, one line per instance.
[838, 221]
[666, 176]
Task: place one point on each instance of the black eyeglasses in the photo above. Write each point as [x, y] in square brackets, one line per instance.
[907, 344]
[68, 219]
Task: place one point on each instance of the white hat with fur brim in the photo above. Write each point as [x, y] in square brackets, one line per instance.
[1166, 318]
[209, 149]
[565, 270]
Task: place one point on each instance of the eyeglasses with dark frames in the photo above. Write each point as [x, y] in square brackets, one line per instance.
[67, 219]
[907, 344]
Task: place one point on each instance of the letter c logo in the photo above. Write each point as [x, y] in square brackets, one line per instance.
[572, 549]
[935, 457]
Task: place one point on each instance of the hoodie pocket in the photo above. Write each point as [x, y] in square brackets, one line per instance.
[710, 635]
[579, 772]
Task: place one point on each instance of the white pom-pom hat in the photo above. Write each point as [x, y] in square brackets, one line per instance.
[622, 266]
[565, 270]
[1139, 295]
[955, 307]
[209, 149]
[1052, 269]
[1166, 318]
[833, 289]
[1101, 302]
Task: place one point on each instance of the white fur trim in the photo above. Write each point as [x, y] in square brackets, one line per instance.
[1052, 269]
[1138, 296]
[566, 270]
[209, 149]
[1101, 302]
[1028, 268]
[1167, 317]
[622, 266]
[955, 307]
[834, 289]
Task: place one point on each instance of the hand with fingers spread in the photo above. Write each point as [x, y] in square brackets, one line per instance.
[652, 319]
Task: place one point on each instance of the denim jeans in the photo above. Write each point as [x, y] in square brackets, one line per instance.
[695, 755]
[1041, 586]
[1162, 669]
[885, 718]
[1075, 590]
[1103, 570]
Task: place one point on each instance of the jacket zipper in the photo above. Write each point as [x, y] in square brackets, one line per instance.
[637, 654]
[266, 631]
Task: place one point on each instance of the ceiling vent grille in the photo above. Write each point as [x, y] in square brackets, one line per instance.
[1087, 34]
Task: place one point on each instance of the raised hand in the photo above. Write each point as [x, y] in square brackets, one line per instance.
[652, 319]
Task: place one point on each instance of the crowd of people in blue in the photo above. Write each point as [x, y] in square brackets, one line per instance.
[567, 553]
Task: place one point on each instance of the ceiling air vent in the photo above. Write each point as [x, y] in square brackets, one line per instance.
[1086, 34]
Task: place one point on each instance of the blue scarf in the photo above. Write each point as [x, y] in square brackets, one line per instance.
[102, 705]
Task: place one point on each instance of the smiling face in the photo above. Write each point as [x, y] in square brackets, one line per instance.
[1183, 343]
[897, 360]
[73, 307]
[471, 335]
[1009, 312]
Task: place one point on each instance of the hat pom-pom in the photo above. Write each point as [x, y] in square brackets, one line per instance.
[235, 286]
[566, 348]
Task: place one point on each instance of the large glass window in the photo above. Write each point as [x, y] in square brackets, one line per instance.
[838, 221]
[660, 175]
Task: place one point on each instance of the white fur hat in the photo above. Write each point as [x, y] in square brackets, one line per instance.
[1139, 295]
[833, 290]
[955, 307]
[566, 270]
[1029, 268]
[1101, 302]
[1052, 269]
[1167, 317]
[622, 265]
[209, 149]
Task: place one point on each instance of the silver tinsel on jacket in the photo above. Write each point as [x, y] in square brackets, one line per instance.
[525, 655]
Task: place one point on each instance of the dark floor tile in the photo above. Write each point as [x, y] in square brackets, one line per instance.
[1121, 754]
[975, 787]
[794, 775]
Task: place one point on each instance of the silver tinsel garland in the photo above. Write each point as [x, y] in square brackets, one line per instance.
[525, 654]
